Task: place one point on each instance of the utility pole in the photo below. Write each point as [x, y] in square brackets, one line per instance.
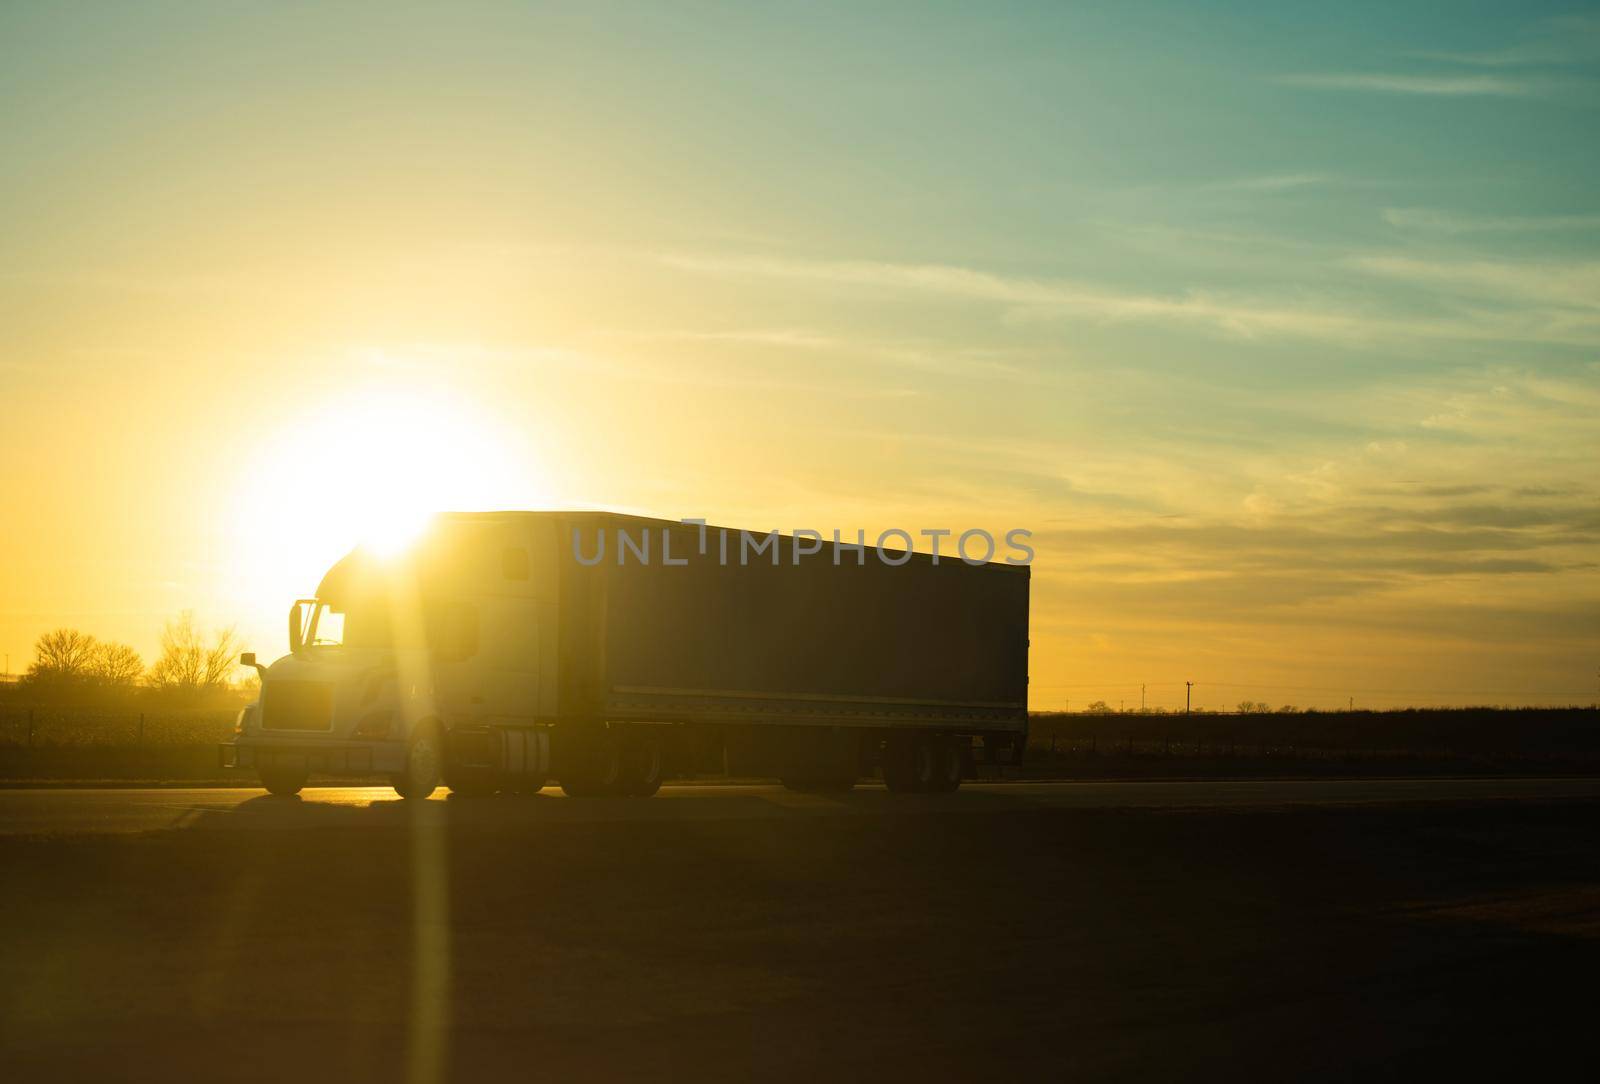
[1141, 698]
[1188, 686]
[1352, 704]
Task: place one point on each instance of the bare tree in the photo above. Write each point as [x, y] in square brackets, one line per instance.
[116, 664]
[63, 656]
[188, 662]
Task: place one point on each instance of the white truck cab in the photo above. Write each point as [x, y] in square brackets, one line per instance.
[394, 653]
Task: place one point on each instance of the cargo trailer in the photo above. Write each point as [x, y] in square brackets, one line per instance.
[504, 650]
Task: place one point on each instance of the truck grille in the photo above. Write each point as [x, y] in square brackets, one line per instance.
[297, 705]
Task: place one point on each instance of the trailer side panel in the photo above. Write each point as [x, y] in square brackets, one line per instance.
[829, 638]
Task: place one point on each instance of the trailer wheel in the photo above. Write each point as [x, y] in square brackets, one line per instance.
[643, 765]
[950, 764]
[420, 777]
[897, 763]
[281, 778]
[910, 763]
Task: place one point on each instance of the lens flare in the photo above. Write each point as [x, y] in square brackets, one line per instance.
[371, 468]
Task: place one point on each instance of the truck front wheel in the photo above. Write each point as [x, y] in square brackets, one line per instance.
[283, 778]
[424, 758]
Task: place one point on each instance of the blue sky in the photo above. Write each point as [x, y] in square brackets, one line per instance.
[1279, 323]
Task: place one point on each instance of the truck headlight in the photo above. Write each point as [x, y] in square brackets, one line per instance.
[375, 724]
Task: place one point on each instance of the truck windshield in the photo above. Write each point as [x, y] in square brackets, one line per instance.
[363, 624]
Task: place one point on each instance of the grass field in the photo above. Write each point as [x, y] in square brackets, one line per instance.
[1468, 739]
[174, 743]
[74, 728]
[159, 743]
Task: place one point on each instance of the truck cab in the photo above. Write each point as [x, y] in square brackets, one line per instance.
[398, 662]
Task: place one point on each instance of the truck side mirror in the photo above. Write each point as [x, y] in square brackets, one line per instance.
[296, 633]
[247, 658]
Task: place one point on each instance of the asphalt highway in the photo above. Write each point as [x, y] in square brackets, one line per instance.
[1394, 929]
[98, 811]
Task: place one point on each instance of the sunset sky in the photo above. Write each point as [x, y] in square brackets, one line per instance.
[1277, 324]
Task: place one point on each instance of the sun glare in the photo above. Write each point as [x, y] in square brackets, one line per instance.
[371, 468]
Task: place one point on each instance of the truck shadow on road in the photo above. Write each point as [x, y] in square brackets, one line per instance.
[379, 808]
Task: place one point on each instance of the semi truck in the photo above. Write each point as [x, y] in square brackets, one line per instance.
[505, 650]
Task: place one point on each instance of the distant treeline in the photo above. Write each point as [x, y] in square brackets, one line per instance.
[71, 667]
[1572, 732]
[1262, 707]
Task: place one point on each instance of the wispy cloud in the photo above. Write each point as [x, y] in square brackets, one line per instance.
[1573, 320]
[1569, 39]
[1567, 284]
[1274, 182]
[924, 357]
[1435, 221]
[1437, 85]
[1403, 536]
[631, 366]
[1042, 296]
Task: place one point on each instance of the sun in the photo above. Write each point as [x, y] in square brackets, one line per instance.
[370, 467]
